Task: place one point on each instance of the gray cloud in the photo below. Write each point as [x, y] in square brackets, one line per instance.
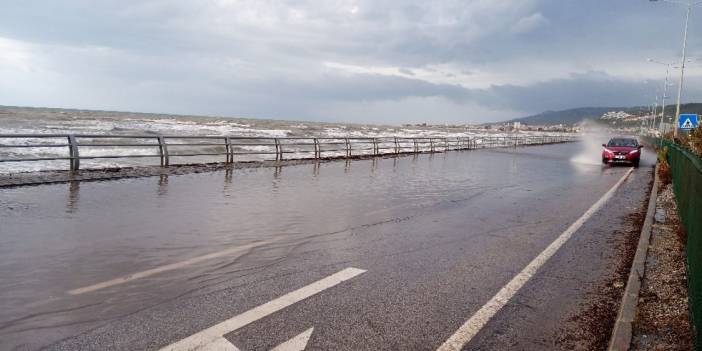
[417, 60]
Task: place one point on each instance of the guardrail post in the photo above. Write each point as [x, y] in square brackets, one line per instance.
[446, 145]
[376, 149]
[281, 150]
[163, 151]
[431, 145]
[397, 146]
[348, 147]
[316, 149]
[73, 153]
[228, 146]
[278, 150]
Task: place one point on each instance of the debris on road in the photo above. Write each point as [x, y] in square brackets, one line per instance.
[590, 329]
[662, 321]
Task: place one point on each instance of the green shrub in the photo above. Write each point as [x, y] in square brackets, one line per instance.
[695, 141]
[663, 167]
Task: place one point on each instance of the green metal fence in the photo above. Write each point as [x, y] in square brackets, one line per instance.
[686, 170]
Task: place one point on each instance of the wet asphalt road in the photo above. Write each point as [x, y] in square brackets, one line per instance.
[438, 236]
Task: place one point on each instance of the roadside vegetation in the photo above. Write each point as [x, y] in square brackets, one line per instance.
[691, 141]
[664, 167]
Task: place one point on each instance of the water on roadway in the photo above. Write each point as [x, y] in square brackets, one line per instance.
[366, 213]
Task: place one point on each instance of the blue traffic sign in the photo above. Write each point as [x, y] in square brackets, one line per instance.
[687, 121]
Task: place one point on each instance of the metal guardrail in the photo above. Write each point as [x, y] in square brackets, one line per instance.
[232, 146]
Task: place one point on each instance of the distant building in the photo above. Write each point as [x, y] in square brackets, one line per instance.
[616, 115]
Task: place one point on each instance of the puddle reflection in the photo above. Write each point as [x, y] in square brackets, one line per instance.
[73, 196]
[162, 185]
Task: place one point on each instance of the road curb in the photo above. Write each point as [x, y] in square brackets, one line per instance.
[622, 332]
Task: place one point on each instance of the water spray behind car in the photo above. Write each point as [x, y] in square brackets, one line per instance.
[593, 135]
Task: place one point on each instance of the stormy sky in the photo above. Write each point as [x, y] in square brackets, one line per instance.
[389, 61]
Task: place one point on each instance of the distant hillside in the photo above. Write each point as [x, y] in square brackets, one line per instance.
[571, 116]
[576, 115]
[684, 108]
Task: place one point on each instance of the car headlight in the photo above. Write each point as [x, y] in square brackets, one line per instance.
[633, 151]
[609, 151]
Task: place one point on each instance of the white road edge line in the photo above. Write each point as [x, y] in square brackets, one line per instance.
[168, 267]
[214, 335]
[473, 325]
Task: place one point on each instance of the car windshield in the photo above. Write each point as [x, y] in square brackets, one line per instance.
[622, 142]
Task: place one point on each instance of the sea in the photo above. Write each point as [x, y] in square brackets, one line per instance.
[16, 121]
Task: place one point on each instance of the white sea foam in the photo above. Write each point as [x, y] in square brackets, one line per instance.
[46, 121]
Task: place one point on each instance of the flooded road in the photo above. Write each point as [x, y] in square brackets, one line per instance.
[141, 263]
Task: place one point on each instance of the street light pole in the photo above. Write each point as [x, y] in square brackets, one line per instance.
[682, 71]
[690, 4]
[665, 95]
[666, 84]
[655, 113]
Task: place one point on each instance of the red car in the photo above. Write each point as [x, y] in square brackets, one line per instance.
[622, 150]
